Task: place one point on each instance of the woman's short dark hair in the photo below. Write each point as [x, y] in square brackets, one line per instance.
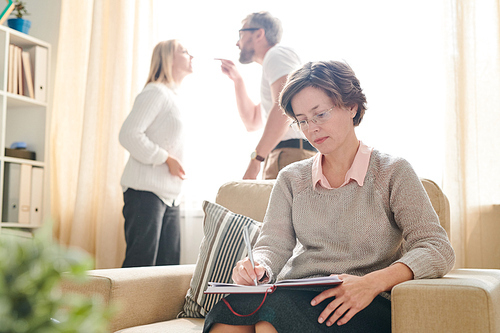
[335, 78]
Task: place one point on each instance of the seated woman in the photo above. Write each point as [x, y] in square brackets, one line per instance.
[351, 210]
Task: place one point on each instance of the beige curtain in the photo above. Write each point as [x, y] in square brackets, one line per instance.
[472, 175]
[102, 62]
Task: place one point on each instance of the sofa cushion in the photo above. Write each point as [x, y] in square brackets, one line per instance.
[184, 325]
[221, 247]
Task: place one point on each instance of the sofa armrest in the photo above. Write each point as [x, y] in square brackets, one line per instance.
[465, 300]
[143, 295]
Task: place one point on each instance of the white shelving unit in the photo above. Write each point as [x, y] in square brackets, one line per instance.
[22, 119]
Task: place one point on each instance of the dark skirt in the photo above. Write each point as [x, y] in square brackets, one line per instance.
[289, 310]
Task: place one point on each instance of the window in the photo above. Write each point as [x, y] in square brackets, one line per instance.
[395, 48]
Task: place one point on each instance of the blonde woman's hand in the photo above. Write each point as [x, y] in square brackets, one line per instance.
[175, 167]
[244, 274]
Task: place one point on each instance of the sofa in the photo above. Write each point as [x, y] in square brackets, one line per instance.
[149, 299]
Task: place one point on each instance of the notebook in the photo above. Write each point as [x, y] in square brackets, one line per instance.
[229, 288]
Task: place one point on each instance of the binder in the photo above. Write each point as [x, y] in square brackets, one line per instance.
[39, 56]
[36, 196]
[25, 194]
[10, 211]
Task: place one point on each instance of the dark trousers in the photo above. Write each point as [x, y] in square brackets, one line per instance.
[152, 230]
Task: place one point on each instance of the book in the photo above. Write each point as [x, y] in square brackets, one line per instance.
[20, 82]
[229, 288]
[15, 85]
[28, 74]
[11, 69]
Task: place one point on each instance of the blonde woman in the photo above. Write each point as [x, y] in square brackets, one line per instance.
[153, 175]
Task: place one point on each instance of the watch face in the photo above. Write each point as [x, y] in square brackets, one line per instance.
[254, 156]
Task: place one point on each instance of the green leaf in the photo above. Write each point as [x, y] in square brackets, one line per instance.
[30, 300]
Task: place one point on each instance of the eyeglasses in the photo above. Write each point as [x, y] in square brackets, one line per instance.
[247, 29]
[318, 119]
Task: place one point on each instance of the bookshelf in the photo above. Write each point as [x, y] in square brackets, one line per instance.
[24, 118]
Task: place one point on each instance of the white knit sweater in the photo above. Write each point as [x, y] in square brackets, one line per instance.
[353, 229]
[151, 132]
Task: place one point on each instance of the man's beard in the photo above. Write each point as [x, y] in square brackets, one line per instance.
[246, 55]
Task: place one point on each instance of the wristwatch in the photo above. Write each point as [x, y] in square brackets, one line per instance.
[254, 156]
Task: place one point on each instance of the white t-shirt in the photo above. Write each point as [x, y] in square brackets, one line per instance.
[278, 61]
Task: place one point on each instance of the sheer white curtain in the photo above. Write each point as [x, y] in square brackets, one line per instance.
[104, 49]
[472, 180]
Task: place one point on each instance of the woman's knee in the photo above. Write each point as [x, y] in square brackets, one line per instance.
[264, 327]
[223, 328]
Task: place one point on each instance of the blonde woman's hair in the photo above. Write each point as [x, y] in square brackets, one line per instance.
[161, 62]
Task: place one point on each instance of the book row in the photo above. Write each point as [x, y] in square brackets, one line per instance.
[27, 71]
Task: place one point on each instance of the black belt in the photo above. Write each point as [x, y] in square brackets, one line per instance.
[295, 143]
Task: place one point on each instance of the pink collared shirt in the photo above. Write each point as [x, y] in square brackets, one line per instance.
[357, 171]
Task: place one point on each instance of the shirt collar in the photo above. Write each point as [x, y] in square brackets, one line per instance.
[357, 171]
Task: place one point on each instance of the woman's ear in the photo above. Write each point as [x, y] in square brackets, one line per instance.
[354, 110]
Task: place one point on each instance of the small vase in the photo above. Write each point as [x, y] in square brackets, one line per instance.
[19, 24]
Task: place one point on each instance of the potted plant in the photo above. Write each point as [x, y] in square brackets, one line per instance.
[19, 23]
[30, 298]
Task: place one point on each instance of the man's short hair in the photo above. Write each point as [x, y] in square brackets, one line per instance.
[270, 24]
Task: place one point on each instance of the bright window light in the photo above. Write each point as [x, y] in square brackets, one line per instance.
[395, 48]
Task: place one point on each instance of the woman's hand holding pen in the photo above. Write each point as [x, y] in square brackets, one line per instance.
[244, 274]
[175, 167]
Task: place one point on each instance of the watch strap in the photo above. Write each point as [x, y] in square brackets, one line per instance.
[257, 157]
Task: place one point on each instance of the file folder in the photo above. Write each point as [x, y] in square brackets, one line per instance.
[25, 194]
[12, 177]
[36, 196]
[39, 56]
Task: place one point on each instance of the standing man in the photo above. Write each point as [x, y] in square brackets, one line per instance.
[280, 145]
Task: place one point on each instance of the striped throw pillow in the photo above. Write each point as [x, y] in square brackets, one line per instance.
[221, 247]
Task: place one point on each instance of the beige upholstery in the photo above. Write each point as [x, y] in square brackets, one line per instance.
[143, 295]
[246, 197]
[465, 300]
[439, 202]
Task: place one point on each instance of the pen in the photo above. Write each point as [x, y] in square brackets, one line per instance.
[249, 250]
